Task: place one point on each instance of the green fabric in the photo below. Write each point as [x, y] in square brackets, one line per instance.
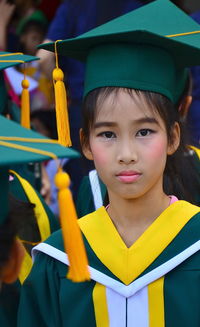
[14, 111]
[49, 299]
[31, 172]
[182, 294]
[55, 301]
[85, 201]
[9, 300]
[9, 295]
[134, 50]
[186, 237]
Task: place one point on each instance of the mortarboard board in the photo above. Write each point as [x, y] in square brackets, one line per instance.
[147, 49]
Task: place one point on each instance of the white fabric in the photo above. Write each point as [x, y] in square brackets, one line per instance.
[130, 312]
[116, 308]
[124, 290]
[138, 309]
[96, 189]
[16, 78]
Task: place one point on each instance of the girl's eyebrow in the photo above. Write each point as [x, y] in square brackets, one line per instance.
[150, 120]
[143, 120]
[104, 124]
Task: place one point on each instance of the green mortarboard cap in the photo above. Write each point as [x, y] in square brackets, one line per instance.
[37, 148]
[9, 59]
[138, 50]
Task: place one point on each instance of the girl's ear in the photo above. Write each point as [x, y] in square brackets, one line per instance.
[12, 268]
[175, 139]
[85, 147]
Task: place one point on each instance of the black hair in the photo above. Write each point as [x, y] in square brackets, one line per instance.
[17, 215]
[48, 118]
[34, 25]
[180, 176]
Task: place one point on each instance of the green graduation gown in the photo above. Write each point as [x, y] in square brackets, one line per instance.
[32, 230]
[155, 282]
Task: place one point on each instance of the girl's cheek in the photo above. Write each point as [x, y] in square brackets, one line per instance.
[99, 153]
[157, 149]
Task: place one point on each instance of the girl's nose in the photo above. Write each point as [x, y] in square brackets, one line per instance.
[127, 153]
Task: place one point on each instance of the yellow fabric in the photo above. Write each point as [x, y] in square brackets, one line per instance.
[100, 305]
[62, 118]
[156, 303]
[25, 105]
[128, 263]
[11, 54]
[196, 150]
[61, 107]
[25, 267]
[26, 139]
[42, 221]
[20, 61]
[181, 34]
[40, 213]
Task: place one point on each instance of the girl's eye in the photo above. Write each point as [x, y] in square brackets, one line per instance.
[107, 135]
[144, 132]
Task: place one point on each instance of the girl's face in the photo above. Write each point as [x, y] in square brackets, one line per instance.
[129, 146]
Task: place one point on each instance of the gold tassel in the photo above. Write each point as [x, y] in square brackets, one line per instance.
[25, 104]
[73, 242]
[62, 118]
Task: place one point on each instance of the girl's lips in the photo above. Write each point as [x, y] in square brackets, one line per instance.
[128, 176]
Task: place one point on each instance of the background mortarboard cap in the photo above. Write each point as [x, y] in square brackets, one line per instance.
[10, 156]
[135, 50]
[9, 59]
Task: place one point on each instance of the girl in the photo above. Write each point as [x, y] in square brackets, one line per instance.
[143, 248]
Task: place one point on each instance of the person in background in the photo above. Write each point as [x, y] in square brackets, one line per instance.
[11, 258]
[6, 12]
[31, 33]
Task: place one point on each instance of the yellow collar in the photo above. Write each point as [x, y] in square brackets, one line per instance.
[128, 263]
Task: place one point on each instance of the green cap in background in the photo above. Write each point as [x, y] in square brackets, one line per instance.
[12, 135]
[9, 59]
[139, 50]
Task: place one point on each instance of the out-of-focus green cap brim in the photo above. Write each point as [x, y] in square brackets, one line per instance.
[11, 156]
[15, 59]
[151, 26]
